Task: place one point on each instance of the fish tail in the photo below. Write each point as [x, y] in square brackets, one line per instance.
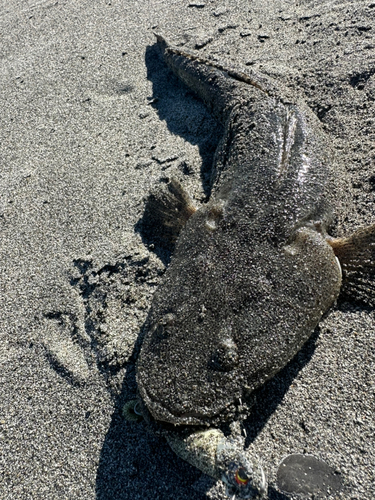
[215, 85]
[356, 254]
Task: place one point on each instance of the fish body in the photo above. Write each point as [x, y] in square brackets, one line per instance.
[252, 271]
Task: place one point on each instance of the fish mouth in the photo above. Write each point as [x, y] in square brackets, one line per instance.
[163, 414]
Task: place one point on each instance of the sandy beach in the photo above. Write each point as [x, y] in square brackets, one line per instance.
[91, 121]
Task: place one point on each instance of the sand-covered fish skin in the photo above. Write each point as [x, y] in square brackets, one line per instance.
[252, 272]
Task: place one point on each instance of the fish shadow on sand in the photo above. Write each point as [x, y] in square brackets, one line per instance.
[186, 116]
[184, 113]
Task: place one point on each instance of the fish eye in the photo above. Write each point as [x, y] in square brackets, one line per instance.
[241, 476]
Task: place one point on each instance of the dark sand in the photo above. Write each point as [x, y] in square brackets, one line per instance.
[81, 146]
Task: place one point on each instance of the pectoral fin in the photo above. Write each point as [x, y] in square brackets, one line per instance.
[167, 211]
[357, 258]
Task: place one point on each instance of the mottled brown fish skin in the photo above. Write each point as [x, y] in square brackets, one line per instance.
[252, 272]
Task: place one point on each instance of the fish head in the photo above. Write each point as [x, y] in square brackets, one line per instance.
[231, 311]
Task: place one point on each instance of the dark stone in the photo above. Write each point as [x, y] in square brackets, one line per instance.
[306, 474]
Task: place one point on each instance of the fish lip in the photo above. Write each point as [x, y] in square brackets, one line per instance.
[162, 414]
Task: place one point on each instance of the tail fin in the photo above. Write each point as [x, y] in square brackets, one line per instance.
[219, 87]
[357, 258]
